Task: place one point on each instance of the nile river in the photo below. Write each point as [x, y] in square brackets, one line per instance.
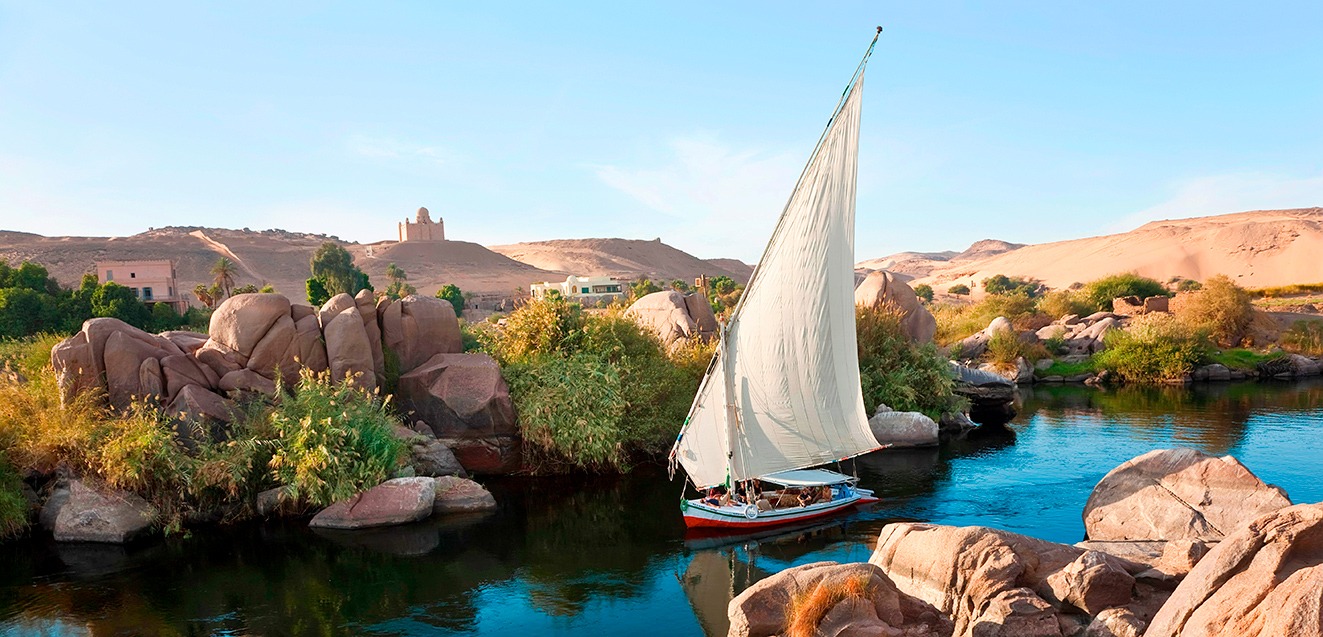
[609, 557]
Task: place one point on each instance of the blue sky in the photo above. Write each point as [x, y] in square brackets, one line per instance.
[688, 121]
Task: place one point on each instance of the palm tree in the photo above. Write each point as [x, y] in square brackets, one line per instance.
[394, 273]
[224, 273]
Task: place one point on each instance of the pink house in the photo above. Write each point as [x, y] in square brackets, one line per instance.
[151, 281]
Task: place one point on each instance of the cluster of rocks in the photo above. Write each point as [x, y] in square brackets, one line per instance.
[1179, 543]
[256, 340]
[675, 317]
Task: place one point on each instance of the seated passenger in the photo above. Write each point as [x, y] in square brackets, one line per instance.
[712, 498]
[764, 504]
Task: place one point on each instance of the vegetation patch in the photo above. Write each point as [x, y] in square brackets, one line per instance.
[808, 608]
[13, 506]
[958, 321]
[1242, 359]
[1097, 295]
[1296, 289]
[900, 374]
[1068, 369]
[1304, 337]
[592, 391]
[1154, 348]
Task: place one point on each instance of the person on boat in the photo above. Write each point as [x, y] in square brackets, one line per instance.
[807, 497]
[712, 497]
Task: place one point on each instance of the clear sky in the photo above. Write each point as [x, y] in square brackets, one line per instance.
[689, 121]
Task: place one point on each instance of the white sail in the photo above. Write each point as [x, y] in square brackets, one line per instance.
[790, 351]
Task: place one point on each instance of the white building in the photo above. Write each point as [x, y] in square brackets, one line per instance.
[584, 289]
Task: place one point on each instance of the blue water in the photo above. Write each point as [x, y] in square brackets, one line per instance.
[609, 556]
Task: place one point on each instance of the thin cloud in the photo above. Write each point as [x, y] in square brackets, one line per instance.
[1236, 192]
[390, 149]
[724, 200]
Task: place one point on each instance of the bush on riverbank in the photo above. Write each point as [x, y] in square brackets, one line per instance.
[900, 374]
[324, 441]
[592, 390]
[1154, 348]
[1220, 308]
[1099, 294]
[957, 321]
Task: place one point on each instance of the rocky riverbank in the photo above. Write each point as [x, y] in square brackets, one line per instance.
[1179, 543]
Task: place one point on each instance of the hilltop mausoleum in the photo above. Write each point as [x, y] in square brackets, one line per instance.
[423, 228]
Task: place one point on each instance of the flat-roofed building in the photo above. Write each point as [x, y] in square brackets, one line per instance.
[585, 289]
[151, 281]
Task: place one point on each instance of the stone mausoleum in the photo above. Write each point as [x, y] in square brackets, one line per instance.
[423, 228]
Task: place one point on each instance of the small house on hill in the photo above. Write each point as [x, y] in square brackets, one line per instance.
[151, 281]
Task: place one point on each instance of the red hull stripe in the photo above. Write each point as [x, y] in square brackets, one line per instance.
[694, 522]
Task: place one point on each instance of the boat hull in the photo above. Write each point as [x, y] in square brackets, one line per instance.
[701, 516]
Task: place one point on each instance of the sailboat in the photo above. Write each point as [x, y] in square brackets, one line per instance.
[782, 395]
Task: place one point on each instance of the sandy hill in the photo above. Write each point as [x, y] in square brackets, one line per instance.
[281, 258]
[1259, 248]
[621, 257]
[914, 265]
[430, 265]
[276, 257]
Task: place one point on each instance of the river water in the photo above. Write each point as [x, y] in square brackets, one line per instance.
[609, 557]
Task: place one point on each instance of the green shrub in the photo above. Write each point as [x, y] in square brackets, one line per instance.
[1242, 359]
[332, 440]
[1154, 348]
[1002, 284]
[959, 289]
[593, 390]
[1221, 308]
[1098, 295]
[452, 294]
[900, 374]
[1188, 285]
[924, 291]
[1304, 337]
[13, 506]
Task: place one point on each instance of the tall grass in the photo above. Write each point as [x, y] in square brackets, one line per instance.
[1005, 348]
[1304, 337]
[332, 440]
[13, 506]
[1286, 290]
[957, 321]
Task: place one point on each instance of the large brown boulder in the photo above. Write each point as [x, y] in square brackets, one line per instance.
[113, 517]
[416, 328]
[667, 314]
[182, 370]
[242, 321]
[1171, 494]
[466, 403]
[308, 348]
[333, 307]
[763, 610]
[1265, 579]
[113, 356]
[992, 582]
[348, 351]
[366, 304]
[393, 502]
[196, 403]
[882, 288]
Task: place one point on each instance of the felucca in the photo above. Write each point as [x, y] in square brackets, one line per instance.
[782, 394]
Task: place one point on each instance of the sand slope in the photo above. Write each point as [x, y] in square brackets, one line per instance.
[1259, 248]
[621, 257]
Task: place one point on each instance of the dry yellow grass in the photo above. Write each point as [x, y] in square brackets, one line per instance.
[809, 607]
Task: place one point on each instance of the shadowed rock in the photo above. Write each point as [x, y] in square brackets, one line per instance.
[397, 501]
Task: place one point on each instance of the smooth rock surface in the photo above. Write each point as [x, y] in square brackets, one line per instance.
[459, 495]
[113, 517]
[1265, 579]
[899, 429]
[396, 501]
[882, 288]
[761, 610]
[1171, 494]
